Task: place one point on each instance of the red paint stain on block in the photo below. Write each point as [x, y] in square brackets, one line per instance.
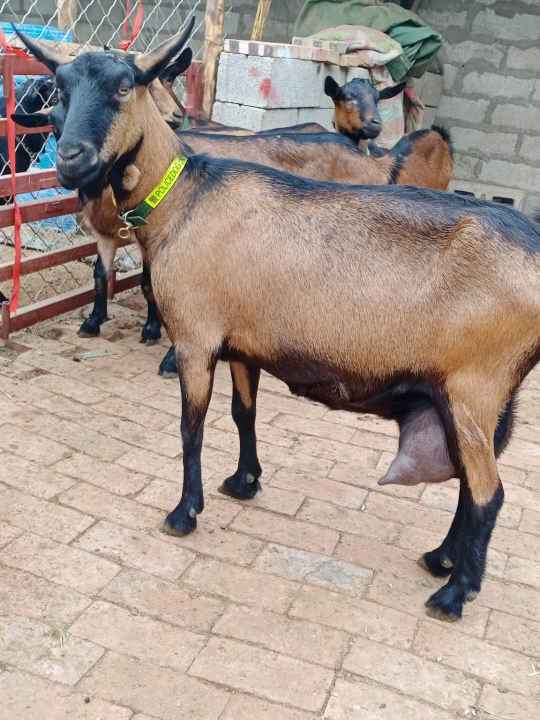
[265, 88]
[253, 72]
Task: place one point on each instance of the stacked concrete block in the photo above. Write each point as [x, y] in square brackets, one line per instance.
[264, 85]
[491, 100]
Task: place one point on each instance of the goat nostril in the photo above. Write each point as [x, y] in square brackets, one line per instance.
[70, 152]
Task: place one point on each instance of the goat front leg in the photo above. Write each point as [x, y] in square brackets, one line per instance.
[244, 484]
[151, 331]
[196, 379]
[91, 326]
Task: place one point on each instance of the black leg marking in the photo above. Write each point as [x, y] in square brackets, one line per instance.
[151, 331]
[244, 484]
[91, 326]
[466, 578]
[168, 367]
[183, 519]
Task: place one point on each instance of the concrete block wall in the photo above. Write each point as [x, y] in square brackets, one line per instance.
[491, 100]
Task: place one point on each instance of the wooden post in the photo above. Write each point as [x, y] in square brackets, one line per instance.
[214, 23]
[263, 9]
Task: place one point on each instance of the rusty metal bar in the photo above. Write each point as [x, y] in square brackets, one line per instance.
[29, 182]
[34, 210]
[5, 327]
[21, 130]
[51, 307]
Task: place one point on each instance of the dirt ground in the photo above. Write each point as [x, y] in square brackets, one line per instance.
[304, 603]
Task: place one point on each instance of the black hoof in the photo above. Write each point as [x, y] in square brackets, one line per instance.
[447, 603]
[180, 523]
[168, 367]
[89, 328]
[151, 333]
[437, 563]
[242, 486]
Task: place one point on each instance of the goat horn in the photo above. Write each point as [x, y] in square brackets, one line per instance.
[44, 53]
[156, 60]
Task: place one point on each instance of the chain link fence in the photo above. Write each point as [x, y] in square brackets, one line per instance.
[95, 24]
[88, 23]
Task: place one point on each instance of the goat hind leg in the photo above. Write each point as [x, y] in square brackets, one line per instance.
[470, 427]
[439, 562]
[196, 379]
[244, 484]
[168, 367]
[91, 326]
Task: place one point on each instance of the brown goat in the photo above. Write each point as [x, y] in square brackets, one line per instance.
[415, 305]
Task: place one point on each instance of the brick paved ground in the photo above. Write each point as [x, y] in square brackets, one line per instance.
[305, 603]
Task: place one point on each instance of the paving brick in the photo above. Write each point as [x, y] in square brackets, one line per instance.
[338, 452]
[314, 569]
[44, 650]
[137, 413]
[499, 703]
[410, 596]
[518, 59]
[102, 504]
[245, 707]
[59, 563]
[414, 676]
[42, 517]
[8, 533]
[164, 600]
[31, 446]
[516, 116]
[160, 692]
[264, 673]
[514, 633]
[505, 668]
[495, 85]
[31, 478]
[303, 640]
[321, 488]
[508, 597]
[276, 528]
[462, 53]
[135, 549]
[523, 571]
[376, 441]
[409, 513]
[377, 556]
[355, 522]
[73, 389]
[355, 616]
[295, 459]
[25, 595]
[310, 426]
[284, 502]
[112, 477]
[142, 637]
[144, 461]
[25, 697]
[359, 699]
[505, 27]
[241, 585]
[530, 522]
[515, 542]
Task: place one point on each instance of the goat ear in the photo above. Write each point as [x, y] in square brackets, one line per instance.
[48, 56]
[37, 119]
[152, 64]
[176, 68]
[331, 88]
[391, 92]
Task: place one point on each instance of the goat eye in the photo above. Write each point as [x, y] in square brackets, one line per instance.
[124, 91]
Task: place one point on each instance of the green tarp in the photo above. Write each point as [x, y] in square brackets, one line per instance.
[419, 42]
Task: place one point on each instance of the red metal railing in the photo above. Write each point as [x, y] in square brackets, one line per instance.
[33, 210]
